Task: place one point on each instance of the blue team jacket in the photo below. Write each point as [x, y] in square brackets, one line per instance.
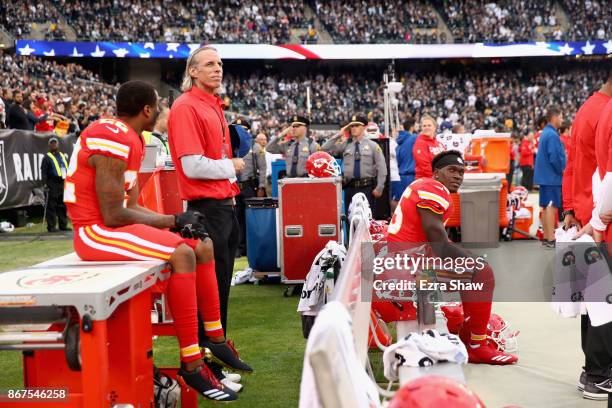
[550, 160]
[405, 160]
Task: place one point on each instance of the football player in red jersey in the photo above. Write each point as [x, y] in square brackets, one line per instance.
[101, 194]
[419, 218]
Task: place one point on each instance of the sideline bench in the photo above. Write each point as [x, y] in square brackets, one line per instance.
[95, 341]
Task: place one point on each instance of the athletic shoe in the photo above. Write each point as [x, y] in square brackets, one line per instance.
[225, 377]
[231, 385]
[487, 353]
[204, 382]
[225, 353]
[591, 392]
[548, 244]
[233, 377]
[582, 381]
[605, 385]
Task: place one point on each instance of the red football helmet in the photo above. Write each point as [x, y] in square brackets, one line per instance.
[435, 391]
[520, 192]
[322, 164]
[498, 331]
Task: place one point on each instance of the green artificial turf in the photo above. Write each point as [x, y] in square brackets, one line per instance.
[264, 325]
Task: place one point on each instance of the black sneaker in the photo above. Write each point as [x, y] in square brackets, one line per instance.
[204, 382]
[225, 354]
[592, 392]
[582, 381]
[605, 385]
[548, 244]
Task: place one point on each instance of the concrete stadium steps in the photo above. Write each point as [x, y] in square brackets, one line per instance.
[6, 39]
[324, 36]
[442, 27]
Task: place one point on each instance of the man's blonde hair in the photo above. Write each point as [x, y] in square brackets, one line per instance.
[187, 83]
[429, 117]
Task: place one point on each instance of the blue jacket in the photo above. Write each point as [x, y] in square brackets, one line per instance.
[550, 160]
[405, 160]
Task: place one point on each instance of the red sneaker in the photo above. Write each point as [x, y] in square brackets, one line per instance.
[487, 353]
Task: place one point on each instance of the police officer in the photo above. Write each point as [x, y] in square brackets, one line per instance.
[251, 181]
[53, 169]
[365, 170]
[296, 150]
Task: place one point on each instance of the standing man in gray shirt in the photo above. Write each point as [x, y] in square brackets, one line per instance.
[365, 170]
[296, 150]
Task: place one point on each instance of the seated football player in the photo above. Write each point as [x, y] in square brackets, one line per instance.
[419, 218]
[101, 193]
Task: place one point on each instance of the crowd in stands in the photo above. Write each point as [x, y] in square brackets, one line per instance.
[594, 19]
[375, 21]
[47, 87]
[271, 21]
[17, 16]
[507, 99]
[502, 21]
[250, 21]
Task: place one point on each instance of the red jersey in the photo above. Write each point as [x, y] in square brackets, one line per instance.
[565, 140]
[108, 137]
[526, 150]
[581, 161]
[426, 193]
[603, 150]
[424, 150]
[197, 126]
[45, 125]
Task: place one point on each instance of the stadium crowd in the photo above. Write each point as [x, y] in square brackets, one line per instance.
[507, 21]
[271, 21]
[509, 99]
[48, 87]
[376, 21]
[234, 21]
[594, 21]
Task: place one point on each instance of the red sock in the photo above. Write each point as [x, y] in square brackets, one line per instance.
[477, 304]
[208, 299]
[182, 301]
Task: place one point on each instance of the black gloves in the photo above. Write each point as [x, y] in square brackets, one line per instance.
[190, 224]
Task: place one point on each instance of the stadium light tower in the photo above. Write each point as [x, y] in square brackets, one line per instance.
[392, 88]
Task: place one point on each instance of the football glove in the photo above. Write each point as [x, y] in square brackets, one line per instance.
[190, 224]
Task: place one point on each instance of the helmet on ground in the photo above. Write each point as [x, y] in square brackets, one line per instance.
[435, 391]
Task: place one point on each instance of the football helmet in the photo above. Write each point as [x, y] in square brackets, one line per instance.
[498, 331]
[372, 131]
[322, 164]
[520, 192]
[435, 391]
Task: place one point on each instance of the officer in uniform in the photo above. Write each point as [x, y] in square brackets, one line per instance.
[53, 169]
[365, 170]
[296, 150]
[251, 181]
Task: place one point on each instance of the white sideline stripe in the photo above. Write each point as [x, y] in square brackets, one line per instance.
[132, 238]
[111, 249]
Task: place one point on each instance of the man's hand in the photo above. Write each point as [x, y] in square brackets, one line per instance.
[606, 217]
[238, 164]
[589, 230]
[570, 221]
[377, 193]
[283, 133]
[190, 224]
[261, 192]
